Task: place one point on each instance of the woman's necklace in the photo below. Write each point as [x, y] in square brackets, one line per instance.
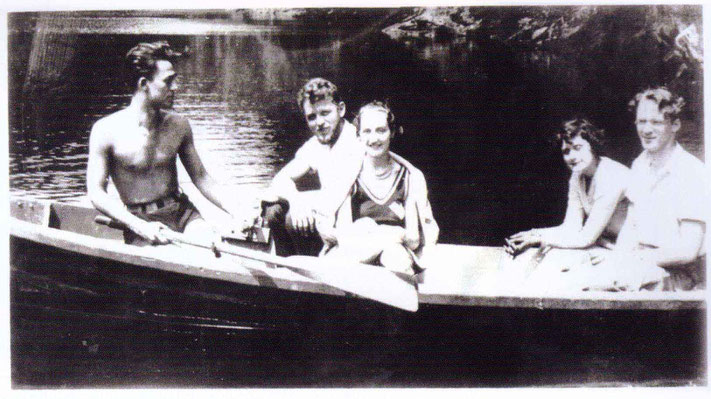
[383, 173]
[380, 183]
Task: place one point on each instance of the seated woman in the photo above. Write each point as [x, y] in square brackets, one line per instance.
[595, 212]
[596, 207]
[386, 218]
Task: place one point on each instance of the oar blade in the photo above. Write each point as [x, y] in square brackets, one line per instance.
[368, 281]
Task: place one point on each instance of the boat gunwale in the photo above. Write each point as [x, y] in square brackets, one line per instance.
[285, 279]
[149, 257]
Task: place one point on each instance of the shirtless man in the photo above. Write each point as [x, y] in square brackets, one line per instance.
[137, 147]
[333, 154]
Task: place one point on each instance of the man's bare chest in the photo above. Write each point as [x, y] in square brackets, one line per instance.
[139, 151]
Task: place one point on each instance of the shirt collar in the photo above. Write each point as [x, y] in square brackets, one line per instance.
[653, 177]
[668, 165]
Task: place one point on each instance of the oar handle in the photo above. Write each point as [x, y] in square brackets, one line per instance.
[107, 221]
[170, 234]
[214, 246]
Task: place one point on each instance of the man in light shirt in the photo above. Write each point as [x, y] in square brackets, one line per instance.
[332, 155]
[666, 221]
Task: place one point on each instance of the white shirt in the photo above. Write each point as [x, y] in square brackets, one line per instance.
[336, 166]
[660, 199]
[333, 163]
[606, 187]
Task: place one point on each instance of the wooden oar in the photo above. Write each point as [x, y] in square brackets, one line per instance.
[372, 282]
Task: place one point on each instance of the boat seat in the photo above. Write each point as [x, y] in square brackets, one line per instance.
[29, 210]
[78, 219]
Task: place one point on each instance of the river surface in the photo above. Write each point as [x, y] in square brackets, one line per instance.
[476, 116]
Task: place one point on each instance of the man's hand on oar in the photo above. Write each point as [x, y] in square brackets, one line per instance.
[154, 231]
[244, 217]
[151, 231]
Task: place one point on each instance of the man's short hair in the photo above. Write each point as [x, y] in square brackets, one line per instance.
[581, 126]
[141, 60]
[669, 104]
[316, 90]
[381, 106]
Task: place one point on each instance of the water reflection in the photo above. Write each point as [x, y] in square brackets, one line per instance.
[229, 87]
[238, 92]
[476, 113]
[61, 168]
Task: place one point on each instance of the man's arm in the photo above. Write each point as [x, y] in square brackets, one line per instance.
[97, 178]
[686, 250]
[204, 182]
[283, 185]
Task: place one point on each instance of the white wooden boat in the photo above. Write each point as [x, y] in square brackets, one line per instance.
[64, 264]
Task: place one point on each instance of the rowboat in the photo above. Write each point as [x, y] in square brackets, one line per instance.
[64, 262]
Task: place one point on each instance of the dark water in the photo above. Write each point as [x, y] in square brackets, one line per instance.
[476, 116]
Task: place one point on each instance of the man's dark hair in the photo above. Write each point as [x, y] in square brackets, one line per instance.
[141, 60]
[669, 104]
[316, 90]
[580, 126]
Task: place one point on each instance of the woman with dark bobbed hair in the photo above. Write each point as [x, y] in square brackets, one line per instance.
[596, 211]
[596, 194]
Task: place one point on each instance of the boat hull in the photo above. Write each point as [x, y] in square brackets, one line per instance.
[108, 311]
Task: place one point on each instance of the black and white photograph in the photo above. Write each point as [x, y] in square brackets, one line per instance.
[425, 196]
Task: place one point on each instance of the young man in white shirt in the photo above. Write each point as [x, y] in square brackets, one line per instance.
[333, 154]
[666, 221]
